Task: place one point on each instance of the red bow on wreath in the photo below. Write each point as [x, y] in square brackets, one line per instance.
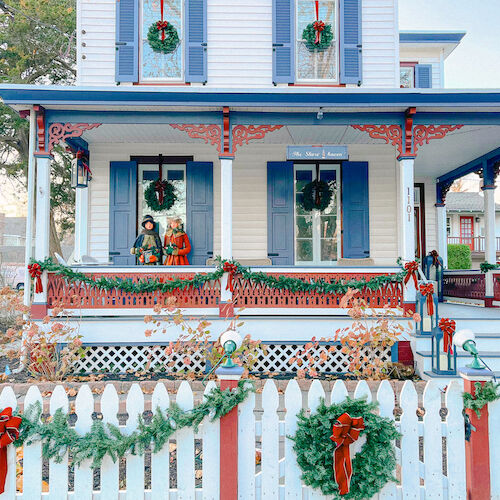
[9, 431]
[411, 269]
[427, 291]
[162, 25]
[345, 431]
[36, 273]
[318, 25]
[448, 328]
[160, 190]
[232, 269]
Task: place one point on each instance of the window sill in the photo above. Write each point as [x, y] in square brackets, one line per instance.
[163, 84]
[316, 84]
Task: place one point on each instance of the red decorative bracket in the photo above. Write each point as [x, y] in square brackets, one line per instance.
[243, 134]
[209, 133]
[409, 114]
[425, 133]
[62, 131]
[389, 133]
[226, 129]
[40, 127]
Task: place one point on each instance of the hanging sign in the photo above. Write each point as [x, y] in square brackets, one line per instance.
[317, 153]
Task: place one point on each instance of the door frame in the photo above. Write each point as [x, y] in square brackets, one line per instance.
[471, 218]
[421, 207]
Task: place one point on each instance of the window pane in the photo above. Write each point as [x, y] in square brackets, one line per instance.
[175, 175]
[328, 250]
[304, 226]
[407, 77]
[304, 250]
[328, 226]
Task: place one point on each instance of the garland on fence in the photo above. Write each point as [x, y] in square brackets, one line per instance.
[316, 452]
[199, 279]
[484, 394]
[58, 437]
[486, 266]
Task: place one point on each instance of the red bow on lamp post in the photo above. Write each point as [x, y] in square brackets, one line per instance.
[318, 25]
[162, 25]
[448, 328]
[232, 269]
[427, 291]
[345, 432]
[9, 431]
[411, 269]
[36, 273]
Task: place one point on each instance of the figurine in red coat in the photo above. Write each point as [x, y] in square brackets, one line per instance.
[176, 243]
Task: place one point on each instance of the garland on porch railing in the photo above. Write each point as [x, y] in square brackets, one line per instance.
[58, 437]
[484, 394]
[291, 284]
[486, 266]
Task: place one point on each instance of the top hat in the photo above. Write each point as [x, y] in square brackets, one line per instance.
[147, 218]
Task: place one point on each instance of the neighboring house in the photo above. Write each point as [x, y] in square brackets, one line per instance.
[240, 115]
[465, 223]
[12, 239]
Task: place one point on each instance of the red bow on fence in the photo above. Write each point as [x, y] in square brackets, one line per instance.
[36, 273]
[448, 328]
[411, 269]
[318, 25]
[9, 431]
[427, 291]
[435, 258]
[232, 269]
[345, 431]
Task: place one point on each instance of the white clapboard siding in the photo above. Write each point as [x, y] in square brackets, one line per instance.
[211, 454]
[58, 472]
[185, 448]
[135, 463]
[84, 407]
[109, 469]
[8, 399]
[246, 449]
[160, 461]
[410, 481]
[293, 404]
[270, 441]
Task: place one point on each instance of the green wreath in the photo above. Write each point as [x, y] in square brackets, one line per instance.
[372, 467]
[169, 44]
[152, 199]
[316, 190]
[309, 37]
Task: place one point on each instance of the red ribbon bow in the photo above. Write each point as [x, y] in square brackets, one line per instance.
[318, 25]
[162, 26]
[427, 291]
[448, 328]
[411, 269]
[9, 431]
[232, 269]
[345, 431]
[435, 258]
[159, 189]
[36, 273]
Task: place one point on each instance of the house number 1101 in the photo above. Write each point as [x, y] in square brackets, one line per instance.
[408, 206]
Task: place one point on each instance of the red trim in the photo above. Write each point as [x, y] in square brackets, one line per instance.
[39, 311]
[409, 114]
[404, 64]
[229, 449]
[488, 302]
[226, 127]
[405, 354]
[62, 131]
[243, 134]
[477, 452]
[226, 310]
[389, 133]
[425, 133]
[40, 127]
[209, 133]
[409, 307]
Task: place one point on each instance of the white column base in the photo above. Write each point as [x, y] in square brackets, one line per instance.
[442, 235]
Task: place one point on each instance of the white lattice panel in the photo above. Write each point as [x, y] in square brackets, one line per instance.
[276, 358]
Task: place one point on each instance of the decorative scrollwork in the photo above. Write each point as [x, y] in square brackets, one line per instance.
[425, 133]
[392, 134]
[62, 131]
[209, 133]
[243, 134]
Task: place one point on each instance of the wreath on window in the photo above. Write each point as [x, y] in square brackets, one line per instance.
[163, 37]
[316, 195]
[317, 36]
[160, 195]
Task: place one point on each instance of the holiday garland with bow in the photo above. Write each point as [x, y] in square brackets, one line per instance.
[483, 394]
[486, 266]
[320, 445]
[162, 35]
[318, 35]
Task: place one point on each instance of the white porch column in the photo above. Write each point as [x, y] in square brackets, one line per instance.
[490, 254]
[407, 218]
[81, 223]
[442, 235]
[226, 206]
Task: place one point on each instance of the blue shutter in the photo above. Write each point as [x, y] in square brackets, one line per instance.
[280, 205]
[283, 41]
[355, 210]
[196, 41]
[122, 211]
[200, 211]
[350, 41]
[127, 41]
[423, 76]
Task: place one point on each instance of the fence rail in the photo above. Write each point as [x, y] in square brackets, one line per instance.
[475, 243]
[430, 453]
[464, 284]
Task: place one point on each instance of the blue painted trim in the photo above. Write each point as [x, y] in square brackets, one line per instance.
[431, 36]
[395, 352]
[77, 143]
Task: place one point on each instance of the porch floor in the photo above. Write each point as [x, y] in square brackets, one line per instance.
[467, 311]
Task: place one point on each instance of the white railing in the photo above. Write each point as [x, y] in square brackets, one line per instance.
[188, 467]
[476, 243]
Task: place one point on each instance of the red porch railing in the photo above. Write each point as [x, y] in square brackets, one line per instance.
[476, 243]
[496, 286]
[464, 284]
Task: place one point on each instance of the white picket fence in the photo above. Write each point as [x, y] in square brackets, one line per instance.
[430, 454]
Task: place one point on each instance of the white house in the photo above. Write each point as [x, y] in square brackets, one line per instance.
[245, 110]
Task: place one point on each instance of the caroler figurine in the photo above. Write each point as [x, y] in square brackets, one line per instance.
[147, 247]
[176, 244]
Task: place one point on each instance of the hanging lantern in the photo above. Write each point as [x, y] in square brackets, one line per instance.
[80, 172]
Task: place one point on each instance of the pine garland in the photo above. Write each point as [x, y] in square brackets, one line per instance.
[58, 437]
[372, 467]
[486, 266]
[484, 394]
[291, 284]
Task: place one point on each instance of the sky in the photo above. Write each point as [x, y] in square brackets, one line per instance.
[475, 63]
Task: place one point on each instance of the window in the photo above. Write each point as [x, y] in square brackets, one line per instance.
[176, 174]
[317, 234]
[448, 226]
[316, 65]
[155, 66]
[407, 75]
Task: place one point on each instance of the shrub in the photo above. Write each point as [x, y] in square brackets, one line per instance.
[459, 257]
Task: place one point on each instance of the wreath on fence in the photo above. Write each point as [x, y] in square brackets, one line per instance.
[311, 39]
[160, 195]
[372, 467]
[163, 37]
[317, 195]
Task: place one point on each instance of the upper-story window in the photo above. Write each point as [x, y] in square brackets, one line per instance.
[407, 76]
[316, 64]
[414, 75]
[157, 66]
